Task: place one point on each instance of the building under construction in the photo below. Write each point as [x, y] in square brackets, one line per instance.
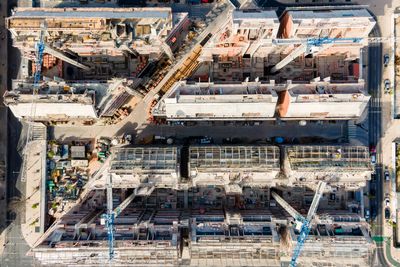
[233, 167]
[242, 35]
[344, 167]
[256, 44]
[150, 232]
[145, 167]
[257, 101]
[57, 100]
[100, 42]
[221, 214]
[324, 22]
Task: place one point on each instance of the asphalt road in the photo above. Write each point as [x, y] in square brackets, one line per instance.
[375, 133]
[15, 247]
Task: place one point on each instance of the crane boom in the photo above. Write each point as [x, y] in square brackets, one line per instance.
[317, 197]
[39, 56]
[35, 90]
[124, 204]
[109, 218]
[327, 40]
[305, 227]
[111, 214]
[313, 45]
[296, 215]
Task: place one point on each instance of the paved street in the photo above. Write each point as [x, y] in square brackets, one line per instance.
[383, 128]
[3, 114]
[15, 248]
[265, 130]
[375, 132]
[136, 124]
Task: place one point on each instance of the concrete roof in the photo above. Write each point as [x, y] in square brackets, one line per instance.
[315, 14]
[49, 110]
[256, 15]
[258, 100]
[106, 13]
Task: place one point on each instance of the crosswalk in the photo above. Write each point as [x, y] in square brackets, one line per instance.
[351, 129]
[39, 132]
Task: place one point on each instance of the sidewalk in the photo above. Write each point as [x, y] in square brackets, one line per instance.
[3, 119]
[392, 254]
[33, 202]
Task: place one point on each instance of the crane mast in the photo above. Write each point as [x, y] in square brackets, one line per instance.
[111, 214]
[302, 224]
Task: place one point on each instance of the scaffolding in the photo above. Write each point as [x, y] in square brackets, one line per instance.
[337, 158]
[230, 237]
[145, 160]
[252, 158]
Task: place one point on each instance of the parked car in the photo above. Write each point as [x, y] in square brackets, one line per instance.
[367, 214]
[387, 175]
[387, 202]
[387, 86]
[386, 60]
[373, 159]
[387, 213]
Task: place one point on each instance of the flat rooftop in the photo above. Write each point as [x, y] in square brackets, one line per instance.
[195, 101]
[218, 92]
[327, 88]
[104, 13]
[328, 92]
[254, 15]
[17, 97]
[262, 88]
[329, 13]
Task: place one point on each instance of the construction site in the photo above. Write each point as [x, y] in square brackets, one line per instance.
[257, 101]
[256, 44]
[182, 203]
[295, 60]
[146, 235]
[213, 205]
[100, 43]
[59, 101]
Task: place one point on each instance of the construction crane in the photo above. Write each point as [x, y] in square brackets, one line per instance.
[313, 45]
[39, 47]
[36, 77]
[318, 41]
[39, 55]
[111, 214]
[302, 224]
